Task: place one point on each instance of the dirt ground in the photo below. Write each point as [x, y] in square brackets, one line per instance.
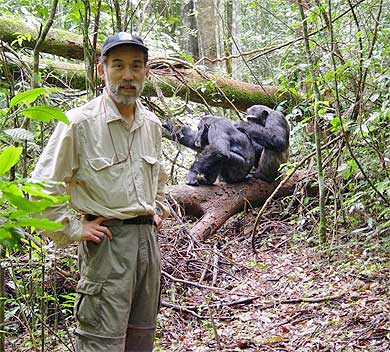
[289, 296]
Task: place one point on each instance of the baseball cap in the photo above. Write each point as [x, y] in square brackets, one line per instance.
[120, 39]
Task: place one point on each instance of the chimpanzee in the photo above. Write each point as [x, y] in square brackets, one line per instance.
[223, 150]
[269, 132]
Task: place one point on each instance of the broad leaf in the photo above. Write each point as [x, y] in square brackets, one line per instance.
[10, 237]
[8, 158]
[44, 224]
[29, 96]
[37, 190]
[45, 114]
[16, 198]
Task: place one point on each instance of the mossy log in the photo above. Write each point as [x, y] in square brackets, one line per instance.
[58, 42]
[173, 77]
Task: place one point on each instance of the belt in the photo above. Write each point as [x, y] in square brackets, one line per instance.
[138, 220]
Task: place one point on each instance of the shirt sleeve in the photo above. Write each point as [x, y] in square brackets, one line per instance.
[55, 169]
[161, 202]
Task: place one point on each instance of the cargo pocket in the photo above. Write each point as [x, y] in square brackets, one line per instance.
[88, 305]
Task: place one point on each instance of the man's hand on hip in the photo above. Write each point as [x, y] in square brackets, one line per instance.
[93, 231]
[158, 222]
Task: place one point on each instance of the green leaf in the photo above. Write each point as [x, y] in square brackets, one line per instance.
[43, 224]
[8, 158]
[37, 190]
[15, 197]
[10, 237]
[27, 97]
[45, 114]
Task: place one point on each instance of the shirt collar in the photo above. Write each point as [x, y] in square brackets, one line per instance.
[112, 113]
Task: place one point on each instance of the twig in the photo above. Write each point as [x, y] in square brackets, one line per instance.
[250, 300]
[182, 309]
[301, 38]
[215, 266]
[217, 340]
[190, 283]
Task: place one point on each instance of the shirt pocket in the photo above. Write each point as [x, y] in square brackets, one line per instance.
[150, 167]
[100, 163]
[106, 181]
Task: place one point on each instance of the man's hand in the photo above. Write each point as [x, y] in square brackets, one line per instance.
[93, 231]
[157, 220]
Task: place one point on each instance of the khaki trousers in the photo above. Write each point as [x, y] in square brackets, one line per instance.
[119, 290]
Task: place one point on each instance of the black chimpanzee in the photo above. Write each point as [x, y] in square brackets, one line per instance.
[223, 150]
[269, 132]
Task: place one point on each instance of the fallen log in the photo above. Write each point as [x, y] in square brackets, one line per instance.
[214, 205]
[173, 77]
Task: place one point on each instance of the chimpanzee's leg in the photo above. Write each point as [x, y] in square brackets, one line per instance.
[206, 167]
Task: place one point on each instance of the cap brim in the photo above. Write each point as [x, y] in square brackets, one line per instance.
[123, 42]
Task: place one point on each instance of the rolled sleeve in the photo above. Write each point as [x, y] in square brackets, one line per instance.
[57, 165]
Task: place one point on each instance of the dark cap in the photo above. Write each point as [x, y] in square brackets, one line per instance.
[120, 39]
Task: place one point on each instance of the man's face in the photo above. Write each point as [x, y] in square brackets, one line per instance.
[124, 73]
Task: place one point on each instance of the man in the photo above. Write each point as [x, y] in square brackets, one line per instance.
[108, 157]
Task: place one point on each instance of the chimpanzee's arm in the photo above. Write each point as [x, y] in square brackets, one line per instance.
[274, 135]
[219, 139]
[182, 134]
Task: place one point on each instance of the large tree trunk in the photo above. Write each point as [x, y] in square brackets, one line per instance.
[216, 204]
[188, 41]
[207, 21]
[236, 39]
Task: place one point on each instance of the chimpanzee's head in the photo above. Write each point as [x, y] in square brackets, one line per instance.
[258, 114]
[201, 137]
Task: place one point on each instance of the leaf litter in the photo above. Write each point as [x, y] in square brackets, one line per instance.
[292, 295]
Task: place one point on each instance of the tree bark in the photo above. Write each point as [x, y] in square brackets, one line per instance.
[189, 41]
[214, 205]
[207, 30]
[236, 36]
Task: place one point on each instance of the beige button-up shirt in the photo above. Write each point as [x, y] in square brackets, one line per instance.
[107, 167]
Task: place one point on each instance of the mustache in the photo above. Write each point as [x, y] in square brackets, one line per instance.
[125, 84]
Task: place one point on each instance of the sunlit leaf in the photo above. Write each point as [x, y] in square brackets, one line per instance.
[37, 190]
[45, 114]
[43, 224]
[8, 158]
[29, 96]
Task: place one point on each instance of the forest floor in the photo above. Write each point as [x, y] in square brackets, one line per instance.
[219, 295]
[289, 296]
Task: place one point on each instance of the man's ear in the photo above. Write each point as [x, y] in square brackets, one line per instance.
[100, 70]
[147, 71]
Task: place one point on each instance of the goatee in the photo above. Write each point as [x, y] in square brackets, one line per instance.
[114, 90]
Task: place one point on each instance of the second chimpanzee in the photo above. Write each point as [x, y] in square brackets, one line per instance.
[269, 132]
[223, 150]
